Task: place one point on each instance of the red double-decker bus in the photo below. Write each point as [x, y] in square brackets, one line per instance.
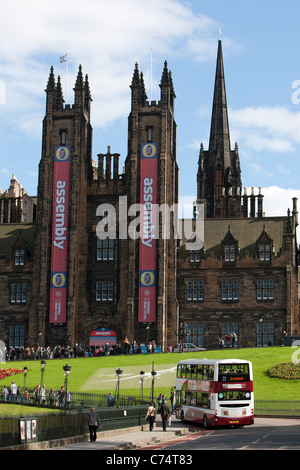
[215, 392]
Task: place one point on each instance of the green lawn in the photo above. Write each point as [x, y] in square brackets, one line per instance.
[98, 374]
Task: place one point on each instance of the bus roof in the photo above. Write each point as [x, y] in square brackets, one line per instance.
[214, 361]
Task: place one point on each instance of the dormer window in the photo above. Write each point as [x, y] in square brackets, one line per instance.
[265, 252]
[264, 247]
[229, 254]
[19, 257]
[230, 247]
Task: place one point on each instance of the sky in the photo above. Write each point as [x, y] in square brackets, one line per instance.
[261, 51]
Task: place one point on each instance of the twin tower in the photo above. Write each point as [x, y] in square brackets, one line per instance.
[83, 283]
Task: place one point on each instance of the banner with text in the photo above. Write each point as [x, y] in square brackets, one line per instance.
[58, 287]
[148, 230]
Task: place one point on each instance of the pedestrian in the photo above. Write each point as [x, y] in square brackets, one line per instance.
[93, 423]
[110, 399]
[173, 400]
[5, 393]
[26, 396]
[51, 396]
[159, 402]
[19, 394]
[13, 391]
[151, 415]
[61, 397]
[165, 414]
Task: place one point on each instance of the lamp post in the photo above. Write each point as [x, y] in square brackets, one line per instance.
[67, 371]
[153, 373]
[142, 373]
[119, 372]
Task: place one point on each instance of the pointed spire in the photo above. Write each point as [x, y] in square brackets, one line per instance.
[136, 76]
[143, 89]
[51, 81]
[219, 132]
[50, 91]
[87, 90]
[165, 79]
[59, 94]
[79, 89]
[79, 80]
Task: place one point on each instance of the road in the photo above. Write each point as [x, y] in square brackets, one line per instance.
[264, 434]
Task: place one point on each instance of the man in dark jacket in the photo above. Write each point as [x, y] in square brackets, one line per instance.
[165, 414]
[94, 424]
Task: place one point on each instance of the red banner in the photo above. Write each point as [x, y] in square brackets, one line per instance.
[148, 230]
[58, 287]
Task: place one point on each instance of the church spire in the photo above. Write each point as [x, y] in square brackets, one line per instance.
[219, 132]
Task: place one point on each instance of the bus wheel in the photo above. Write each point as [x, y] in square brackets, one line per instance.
[205, 422]
[182, 416]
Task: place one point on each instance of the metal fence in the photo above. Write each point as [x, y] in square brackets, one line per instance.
[288, 408]
[78, 400]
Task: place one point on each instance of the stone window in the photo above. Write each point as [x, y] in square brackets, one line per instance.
[229, 252]
[19, 257]
[195, 291]
[105, 249]
[195, 256]
[265, 334]
[18, 293]
[196, 334]
[17, 336]
[265, 252]
[265, 289]
[104, 291]
[230, 290]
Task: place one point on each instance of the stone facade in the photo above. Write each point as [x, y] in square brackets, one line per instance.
[243, 279]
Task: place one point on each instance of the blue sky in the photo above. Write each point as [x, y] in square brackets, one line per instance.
[261, 50]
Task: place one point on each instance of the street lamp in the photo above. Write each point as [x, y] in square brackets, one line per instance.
[142, 373]
[153, 373]
[67, 371]
[119, 372]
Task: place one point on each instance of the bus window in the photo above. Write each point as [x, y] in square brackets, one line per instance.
[237, 372]
[211, 372]
[234, 395]
[193, 371]
[188, 371]
[205, 372]
[199, 371]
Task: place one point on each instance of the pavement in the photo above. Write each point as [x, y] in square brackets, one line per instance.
[119, 439]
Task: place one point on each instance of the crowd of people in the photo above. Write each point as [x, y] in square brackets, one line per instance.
[39, 395]
[78, 350]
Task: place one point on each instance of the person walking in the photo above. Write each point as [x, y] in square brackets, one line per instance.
[151, 415]
[93, 423]
[165, 414]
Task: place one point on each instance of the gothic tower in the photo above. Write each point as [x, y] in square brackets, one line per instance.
[61, 243]
[219, 176]
[151, 167]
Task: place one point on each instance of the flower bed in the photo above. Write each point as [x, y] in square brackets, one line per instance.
[8, 372]
[285, 370]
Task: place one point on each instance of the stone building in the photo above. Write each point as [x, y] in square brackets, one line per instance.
[98, 262]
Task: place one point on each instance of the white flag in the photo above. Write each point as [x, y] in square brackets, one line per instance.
[63, 58]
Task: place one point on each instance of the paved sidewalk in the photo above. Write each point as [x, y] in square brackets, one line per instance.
[131, 438]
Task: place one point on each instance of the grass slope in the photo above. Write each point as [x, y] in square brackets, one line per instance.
[98, 374]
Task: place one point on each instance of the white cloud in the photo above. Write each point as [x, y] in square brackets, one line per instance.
[105, 37]
[274, 128]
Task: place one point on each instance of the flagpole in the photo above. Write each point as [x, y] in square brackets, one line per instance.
[67, 78]
[150, 75]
